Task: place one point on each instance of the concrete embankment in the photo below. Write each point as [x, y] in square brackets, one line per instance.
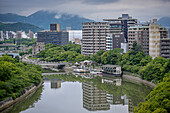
[137, 79]
[9, 102]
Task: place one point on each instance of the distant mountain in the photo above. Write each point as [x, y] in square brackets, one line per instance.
[19, 27]
[43, 19]
[165, 21]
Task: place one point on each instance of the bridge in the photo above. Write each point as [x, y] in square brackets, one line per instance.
[44, 74]
[44, 64]
[10, 54]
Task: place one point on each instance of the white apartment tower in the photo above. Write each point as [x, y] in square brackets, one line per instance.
[154, 39]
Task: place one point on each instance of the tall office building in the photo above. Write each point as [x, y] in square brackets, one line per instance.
[54, 27]
[148, 36]
[121, 25]
[94, 37]
[53, 36]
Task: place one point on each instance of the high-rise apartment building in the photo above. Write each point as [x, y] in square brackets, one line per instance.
[121, 25]
[53, 36]
[154, 39]
[169, 32]
[165, 48]
[140, 34]
[148, 36]
[94, 37]
[54, 27]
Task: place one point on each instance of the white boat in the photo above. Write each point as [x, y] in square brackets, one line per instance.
[81, 71]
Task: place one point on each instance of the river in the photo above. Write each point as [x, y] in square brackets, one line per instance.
[71, 95]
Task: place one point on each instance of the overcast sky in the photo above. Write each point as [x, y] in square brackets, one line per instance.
[143, 10]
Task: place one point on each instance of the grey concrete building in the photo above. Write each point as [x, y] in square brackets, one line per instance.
[53, 37]
[36, 48]
[121, 25]
[165, 48]
[94, 37]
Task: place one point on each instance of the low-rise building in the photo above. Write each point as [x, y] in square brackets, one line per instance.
[77, 41]
[37, 48]
[124, 46]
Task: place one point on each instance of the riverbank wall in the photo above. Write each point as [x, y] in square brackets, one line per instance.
[137, 79]
[9, 101]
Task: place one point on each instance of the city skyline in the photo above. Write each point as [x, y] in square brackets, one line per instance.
[94, 9]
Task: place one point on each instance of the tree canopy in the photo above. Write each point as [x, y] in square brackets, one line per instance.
[15, 76]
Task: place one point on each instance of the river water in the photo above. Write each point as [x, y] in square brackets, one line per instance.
[101, 95]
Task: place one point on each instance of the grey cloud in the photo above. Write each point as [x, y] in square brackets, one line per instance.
[99, 1]
[92, 9]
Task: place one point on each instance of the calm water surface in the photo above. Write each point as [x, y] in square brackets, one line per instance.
[107, 95]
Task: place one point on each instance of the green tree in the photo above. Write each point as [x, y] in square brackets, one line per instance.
[158, 101]
[112, 56]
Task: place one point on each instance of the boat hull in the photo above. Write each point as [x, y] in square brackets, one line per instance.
[111, 74]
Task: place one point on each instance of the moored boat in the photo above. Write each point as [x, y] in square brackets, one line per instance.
[112, 70]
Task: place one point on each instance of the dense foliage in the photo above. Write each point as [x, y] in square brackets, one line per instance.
[134, 61]
[158, 101]
[19, 27]
[15, 76]
[20, 41]
[70, 52]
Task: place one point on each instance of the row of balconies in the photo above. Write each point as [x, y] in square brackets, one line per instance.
[165, 51]
[165, 47]
[165, 55]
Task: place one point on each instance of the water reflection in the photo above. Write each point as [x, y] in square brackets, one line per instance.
[117, 81]
[97, 99]
[27, 103]
[55, 83]
[94, 94]
[93, 98]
